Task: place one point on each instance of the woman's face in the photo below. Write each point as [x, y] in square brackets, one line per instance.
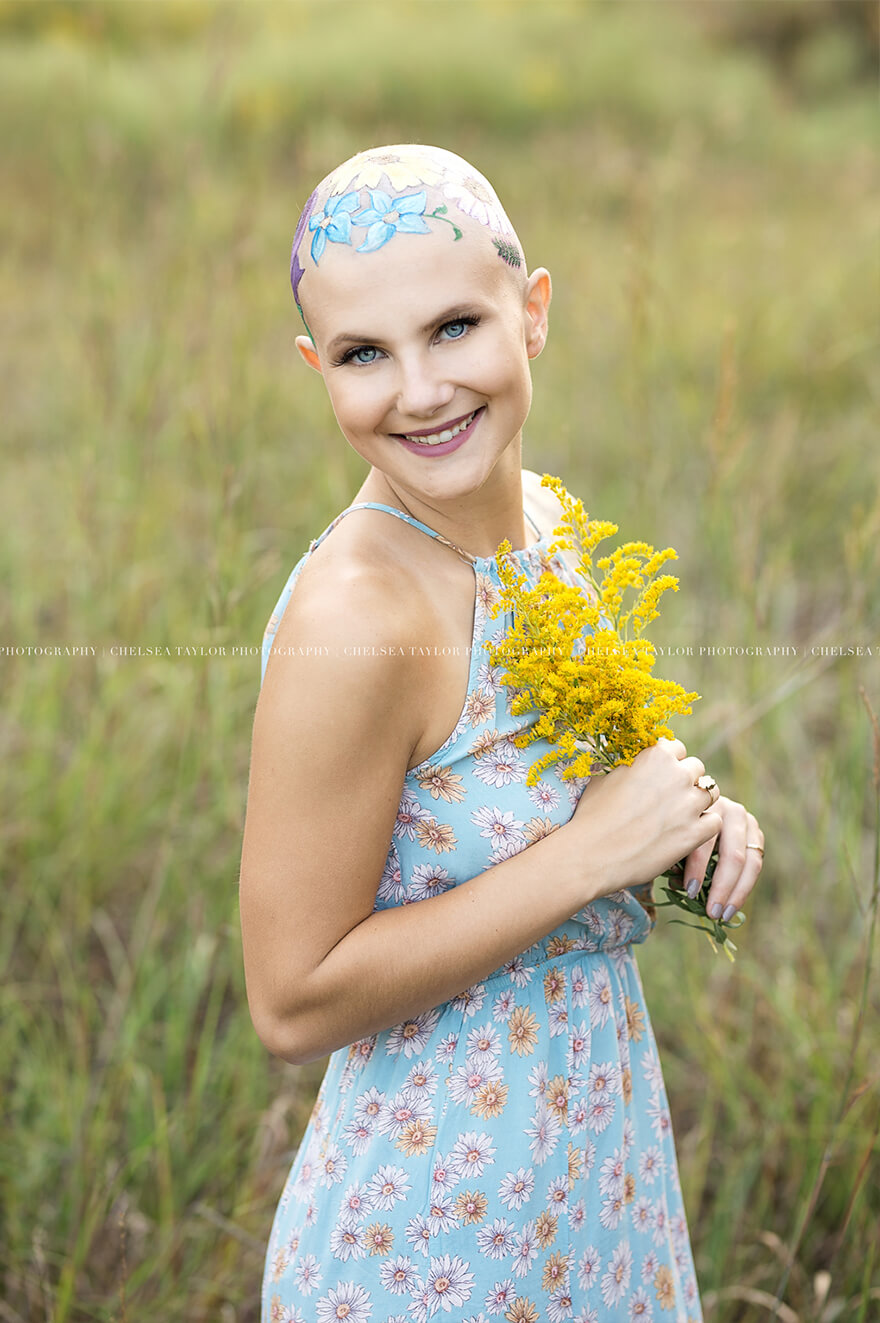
[424, 347]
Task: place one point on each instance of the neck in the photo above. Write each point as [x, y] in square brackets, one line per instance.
[477, 522]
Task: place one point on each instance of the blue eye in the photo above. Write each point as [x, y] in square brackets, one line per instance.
[365, 354]
[458, 328]
[362, 355]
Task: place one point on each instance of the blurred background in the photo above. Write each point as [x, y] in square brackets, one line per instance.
[702, 180]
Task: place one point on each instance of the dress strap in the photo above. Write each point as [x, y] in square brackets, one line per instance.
[532, 522]
[398, 514]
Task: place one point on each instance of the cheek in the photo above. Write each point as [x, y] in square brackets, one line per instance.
[511, 383]
[507, 369]
[359, 402]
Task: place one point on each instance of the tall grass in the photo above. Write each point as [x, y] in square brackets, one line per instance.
[709, 383]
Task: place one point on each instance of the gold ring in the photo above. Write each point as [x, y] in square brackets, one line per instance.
[759, 848]
[706, 782]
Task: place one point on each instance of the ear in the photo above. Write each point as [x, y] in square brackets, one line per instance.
[538, 293]
[306, 347]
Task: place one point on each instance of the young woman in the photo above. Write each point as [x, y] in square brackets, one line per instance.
[492, 1136]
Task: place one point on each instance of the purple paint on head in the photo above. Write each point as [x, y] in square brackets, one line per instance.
[296, 274]
[297, 271]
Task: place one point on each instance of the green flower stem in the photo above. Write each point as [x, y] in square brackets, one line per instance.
[439, 213]
[717, 930]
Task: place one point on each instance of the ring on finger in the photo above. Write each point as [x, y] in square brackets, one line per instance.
[753, 845]
[707, 782]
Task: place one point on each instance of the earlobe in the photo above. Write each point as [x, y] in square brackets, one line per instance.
[309, 354]
[539, 292]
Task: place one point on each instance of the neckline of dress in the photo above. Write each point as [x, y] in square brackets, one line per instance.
[514, 551]
[467, 556]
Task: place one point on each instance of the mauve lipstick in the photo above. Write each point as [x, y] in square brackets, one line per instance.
[442, 447]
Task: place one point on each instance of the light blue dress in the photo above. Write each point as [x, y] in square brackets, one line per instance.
[508, 1154]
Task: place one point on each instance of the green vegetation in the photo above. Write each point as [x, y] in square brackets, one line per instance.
[710, 216]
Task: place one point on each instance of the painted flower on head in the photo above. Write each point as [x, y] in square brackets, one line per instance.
[297, 271]
[473, 198]
[389, 215]
[334, 223]
[508, 252]
[401, 169]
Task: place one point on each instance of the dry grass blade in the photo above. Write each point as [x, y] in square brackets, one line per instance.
[223, 1223]
[779, 1248]
[864, 1166]
[875, 728]
[10, 1315]
[753, 1297]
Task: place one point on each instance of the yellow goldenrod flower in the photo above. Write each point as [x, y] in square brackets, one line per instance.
[573, 654]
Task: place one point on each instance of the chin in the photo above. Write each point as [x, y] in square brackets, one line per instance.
[453, 482]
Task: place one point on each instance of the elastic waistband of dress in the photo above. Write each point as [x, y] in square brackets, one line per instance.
[531, 962]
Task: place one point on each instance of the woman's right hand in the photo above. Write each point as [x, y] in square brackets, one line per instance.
[639, 820]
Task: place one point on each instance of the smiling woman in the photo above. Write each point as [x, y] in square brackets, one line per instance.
[460, 941]
[422, 332]
[424, 348]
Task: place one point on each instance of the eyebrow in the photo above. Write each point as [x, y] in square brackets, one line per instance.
[449, 315]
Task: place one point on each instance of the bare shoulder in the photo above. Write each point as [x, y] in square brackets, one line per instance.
[544, 507]
[541, 503]
[354, 596]
[342, 654]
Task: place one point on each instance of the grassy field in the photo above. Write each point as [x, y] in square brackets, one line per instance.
[711, 222]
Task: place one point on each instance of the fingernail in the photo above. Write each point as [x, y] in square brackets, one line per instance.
[714, 910]
[693, 887]
[729, 911]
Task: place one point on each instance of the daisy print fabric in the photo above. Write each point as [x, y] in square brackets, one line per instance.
[508, 1154]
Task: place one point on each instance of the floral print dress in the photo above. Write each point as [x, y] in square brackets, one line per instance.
[507, 1154]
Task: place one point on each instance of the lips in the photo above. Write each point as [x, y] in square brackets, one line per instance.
[439, 436]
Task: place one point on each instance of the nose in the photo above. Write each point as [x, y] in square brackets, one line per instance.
[422, 387]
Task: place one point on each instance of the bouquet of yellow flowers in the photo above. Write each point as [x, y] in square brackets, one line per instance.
[577, 655]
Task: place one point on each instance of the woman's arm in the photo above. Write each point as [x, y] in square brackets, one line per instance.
[333, 735]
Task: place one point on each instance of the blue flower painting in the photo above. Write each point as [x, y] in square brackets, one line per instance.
[334, 223]
[388, 216]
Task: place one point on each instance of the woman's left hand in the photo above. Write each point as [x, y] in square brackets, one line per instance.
[739, 862]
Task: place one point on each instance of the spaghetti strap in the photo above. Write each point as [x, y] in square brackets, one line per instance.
[415, 523]
[532, 522]
[286, 592]
[392, 510]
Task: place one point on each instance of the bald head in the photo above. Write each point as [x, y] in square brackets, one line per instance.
[393, 195]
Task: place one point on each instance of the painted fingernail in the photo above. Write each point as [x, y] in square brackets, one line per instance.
[693, 887]
[714, 910]
[729, 911]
